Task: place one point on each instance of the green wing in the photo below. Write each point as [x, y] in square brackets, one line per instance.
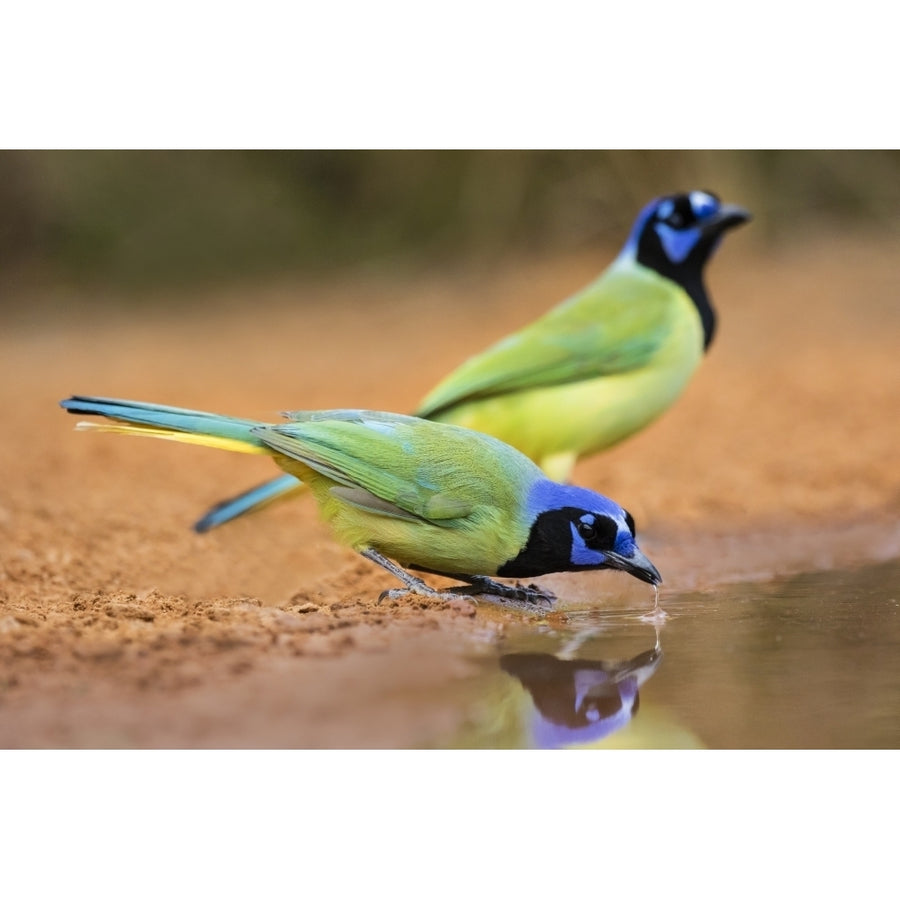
[378, 461]
[614, 325]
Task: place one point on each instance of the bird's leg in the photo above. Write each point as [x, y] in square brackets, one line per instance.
[413, 584]
[523, 597]
[531, 595]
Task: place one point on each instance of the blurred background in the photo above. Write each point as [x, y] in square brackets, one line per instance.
[153, 219]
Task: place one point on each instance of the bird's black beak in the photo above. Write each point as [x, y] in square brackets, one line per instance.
[637, 565]
[728, 216]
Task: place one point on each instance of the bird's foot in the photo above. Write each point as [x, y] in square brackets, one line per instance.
[530, 598]
[413, 585]
[421, 590]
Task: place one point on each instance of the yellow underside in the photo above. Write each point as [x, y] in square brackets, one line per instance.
[555, 426]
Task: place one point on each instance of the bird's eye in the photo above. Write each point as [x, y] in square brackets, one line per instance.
[586, 530]
[676, 220]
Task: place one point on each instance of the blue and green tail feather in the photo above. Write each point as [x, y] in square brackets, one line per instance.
[256, 498]
[168, 422]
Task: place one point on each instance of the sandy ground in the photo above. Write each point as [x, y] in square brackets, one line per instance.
[121, 627]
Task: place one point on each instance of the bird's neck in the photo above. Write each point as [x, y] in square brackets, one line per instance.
[690, 280]
[696, 290]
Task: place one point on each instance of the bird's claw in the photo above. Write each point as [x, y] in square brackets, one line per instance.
[518, 596]
[532, 593]
[424, 590]
[392, 594]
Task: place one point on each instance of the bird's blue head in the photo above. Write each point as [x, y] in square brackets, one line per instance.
[675, 235]
[573, 529]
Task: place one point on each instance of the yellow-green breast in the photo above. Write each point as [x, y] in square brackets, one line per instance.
[647, 339]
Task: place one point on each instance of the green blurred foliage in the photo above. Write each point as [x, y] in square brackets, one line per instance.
[150, 218]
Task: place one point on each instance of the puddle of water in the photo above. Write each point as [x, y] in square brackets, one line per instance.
[811, 661]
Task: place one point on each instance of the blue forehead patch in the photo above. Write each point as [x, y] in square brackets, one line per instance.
[703, 204]
[546, 495]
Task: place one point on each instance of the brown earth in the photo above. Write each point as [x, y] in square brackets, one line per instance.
[121, 627]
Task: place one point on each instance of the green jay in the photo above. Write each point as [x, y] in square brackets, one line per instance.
[407, 492]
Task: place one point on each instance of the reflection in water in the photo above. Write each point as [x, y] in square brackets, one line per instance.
[579, 701]
[803, 661]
